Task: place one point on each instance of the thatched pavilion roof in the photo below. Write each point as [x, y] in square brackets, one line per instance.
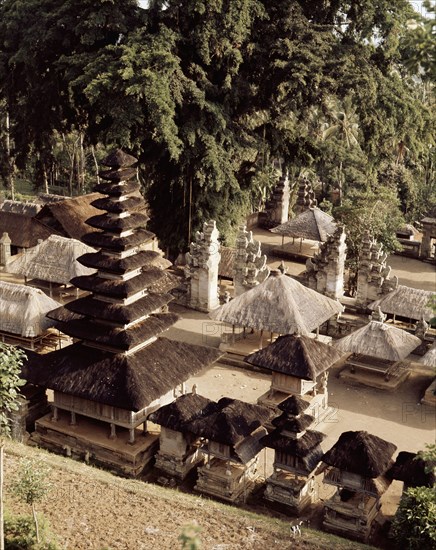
[429, 358]
[299, 356]
[52, 260]
[407, 302]
[68, 217]
[294, 404]
[23, 310]
[313, 224]
[279, 304]
[231, 423]
[129, 382]
[361, 453]
[411, 468]
[380, 340]
[183, 410]
[301, 446]
[23, 230]
[20, 207]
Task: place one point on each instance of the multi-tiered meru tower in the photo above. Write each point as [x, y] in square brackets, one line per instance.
[118, 370]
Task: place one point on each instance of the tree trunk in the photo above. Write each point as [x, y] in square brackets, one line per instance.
[35, 519]
[10, 177]
[2, 533]
[96, 164]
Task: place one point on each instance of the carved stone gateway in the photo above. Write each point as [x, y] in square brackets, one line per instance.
[250, 267]
[373, 278]
[325, 271]
[201, 269]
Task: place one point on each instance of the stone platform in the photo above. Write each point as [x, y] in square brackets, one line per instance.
[88, 440]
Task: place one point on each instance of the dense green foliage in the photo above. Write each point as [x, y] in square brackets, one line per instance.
[208, 94]
[414, 525]
[11, 360]
[20, 535]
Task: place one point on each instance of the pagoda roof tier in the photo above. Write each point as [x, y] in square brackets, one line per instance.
[104, 221]
[117, 207]
[128, 382]
[116, 176]
[294, 424]
[118, 189]
[78, 326]
[119, 266]
[294, 405]
[98, 239]
[301, 446]
[119, 159]
[119, 313]
[118, 288]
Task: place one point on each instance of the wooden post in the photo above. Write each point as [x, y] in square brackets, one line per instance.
[113, 434]
[73, 419]
[260, 341]
[55, 416]
[132, 436]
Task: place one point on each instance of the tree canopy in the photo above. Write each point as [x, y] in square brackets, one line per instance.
[208, 93]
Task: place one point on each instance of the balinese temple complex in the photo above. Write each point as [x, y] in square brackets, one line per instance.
[118, 370]
[297, 455]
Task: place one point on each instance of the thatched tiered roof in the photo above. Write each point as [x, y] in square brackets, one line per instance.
[361, 453]
[299, 356]
[279, 304]
[186, 408]
[232, 422]
[23, 230]
[412, 469]
[411, 303]
[312, 224]
[23, 310]
[68, 217]
[294, 404]
[119, 360]
[54, 259]
[429, 358]
[119, 266]
[380, 340]
[129, 382]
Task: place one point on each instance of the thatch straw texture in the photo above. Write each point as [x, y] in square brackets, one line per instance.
[361, 453]
[104, 222]
[119, 266]
[295, 424]
[183, 410]
[231, 423]
[299, 356]
[23, 310]
[118, 158]
[25, 208]
[118, 338]
[294, 405]
[279, 304]
[118, 288]
[379, 340]
[301, 446]
[98, 239]
[312, 224]
[23, 231]
[411, 468]
[117, 207]
[119, 313]
[52, 260]
[129, 382]
[68, 217]
[407, 302]
[115, 189]
[429, 358]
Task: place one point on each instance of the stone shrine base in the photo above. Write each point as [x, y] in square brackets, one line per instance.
[88, 440]
[376, 378]
[177, 467]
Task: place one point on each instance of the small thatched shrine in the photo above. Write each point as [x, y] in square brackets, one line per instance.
[297, 455]
[231, 435]
[178, 448]
[356, 465]
[299, 366]
[378, 348]
[23, 313]
[119, 371]
[406, 302]
[412, 470]
[312, 224]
